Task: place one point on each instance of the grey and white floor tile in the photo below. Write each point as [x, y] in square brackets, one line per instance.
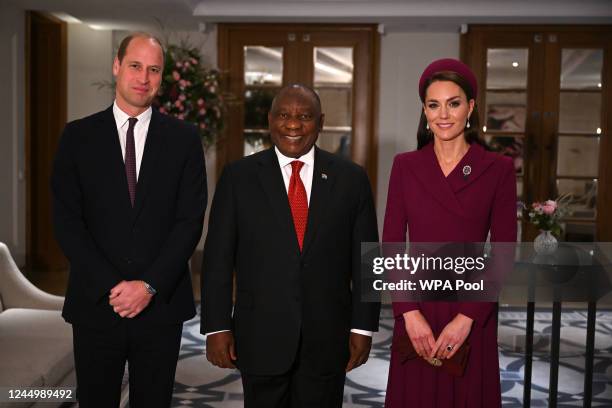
[199, 384]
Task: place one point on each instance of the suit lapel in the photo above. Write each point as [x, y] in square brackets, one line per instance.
[474, 163]
[323, 178]
[427, 170]
[111, 148]
[273, 185]
[153, 144]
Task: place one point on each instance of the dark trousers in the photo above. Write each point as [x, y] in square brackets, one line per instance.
[100, 356]
[299, 388]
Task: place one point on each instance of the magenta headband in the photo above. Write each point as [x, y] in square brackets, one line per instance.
[448, 64]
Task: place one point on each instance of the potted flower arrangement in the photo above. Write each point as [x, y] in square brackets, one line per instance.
[546, 217]
[191, 92]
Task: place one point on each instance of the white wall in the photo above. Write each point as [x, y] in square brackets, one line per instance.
[90, 56]
[12, 108]
[402, 60]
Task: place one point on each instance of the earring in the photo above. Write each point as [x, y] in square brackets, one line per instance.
[427, 126]
[467, 125]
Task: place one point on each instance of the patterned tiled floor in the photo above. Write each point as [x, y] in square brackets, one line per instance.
[199, 384]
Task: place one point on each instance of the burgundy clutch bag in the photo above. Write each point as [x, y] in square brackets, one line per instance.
[454, 366]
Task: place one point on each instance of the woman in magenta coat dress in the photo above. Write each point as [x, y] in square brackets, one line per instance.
[449, 190]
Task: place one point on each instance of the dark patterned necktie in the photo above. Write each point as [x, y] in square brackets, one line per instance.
[298, 201]
[130, 159]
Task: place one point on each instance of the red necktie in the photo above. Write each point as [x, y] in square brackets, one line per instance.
[298, 201]
[130, 159]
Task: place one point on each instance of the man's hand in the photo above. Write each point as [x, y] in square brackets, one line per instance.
[419, 332]
[359, 345]
[129, 298]
[454, 335]
[220, 349]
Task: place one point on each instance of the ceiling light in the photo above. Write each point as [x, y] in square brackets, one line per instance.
[484, 129]
[599, 131]
[515, 64]
[599, 85]
[66, 17]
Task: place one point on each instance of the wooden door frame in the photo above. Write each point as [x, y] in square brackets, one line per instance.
[62, 105]
[365, 147]
[548, 125]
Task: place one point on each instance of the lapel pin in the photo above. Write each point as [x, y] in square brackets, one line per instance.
[466, 171]
[324, 176]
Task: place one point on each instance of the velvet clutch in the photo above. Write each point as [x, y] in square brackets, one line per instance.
[454, 366]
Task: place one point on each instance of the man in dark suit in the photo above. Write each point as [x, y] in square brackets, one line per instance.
[129, 197]
[289, 221]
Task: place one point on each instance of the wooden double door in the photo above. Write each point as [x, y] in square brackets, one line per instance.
[339, 61]
[545, 100]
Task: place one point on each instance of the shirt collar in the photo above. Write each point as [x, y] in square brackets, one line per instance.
[121, 117]
[308, 158]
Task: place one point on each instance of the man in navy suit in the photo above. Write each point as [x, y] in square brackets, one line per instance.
[290, 221]
[129, 195]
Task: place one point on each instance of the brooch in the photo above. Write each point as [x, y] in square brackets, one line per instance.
[466, 171]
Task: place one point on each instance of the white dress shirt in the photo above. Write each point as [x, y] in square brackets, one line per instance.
[306, 175]
[140, 132]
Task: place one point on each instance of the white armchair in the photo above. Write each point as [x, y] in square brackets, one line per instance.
[35, 341]
[18, 292]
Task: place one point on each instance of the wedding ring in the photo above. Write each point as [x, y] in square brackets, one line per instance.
[449, 348]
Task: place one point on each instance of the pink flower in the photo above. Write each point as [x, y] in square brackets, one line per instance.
[182, 97]
[180, 116]
[551, 203]
[187, 65]
[176, 75]
[162, 110]
[194, 61]
[202, 111]
[549, 209]
[202, 125]
[182, 83]
[212, 89]
[200, 102]
[178, 103]
[179, 64]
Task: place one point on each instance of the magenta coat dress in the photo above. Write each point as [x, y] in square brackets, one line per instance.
[435, 208]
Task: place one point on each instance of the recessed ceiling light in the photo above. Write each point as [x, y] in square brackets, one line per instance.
[515, 64]
[65, 17]
[599, 131]
[599, 85]
[484, 129]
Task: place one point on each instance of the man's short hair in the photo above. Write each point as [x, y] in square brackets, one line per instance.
[139, 34]
[302, 87]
